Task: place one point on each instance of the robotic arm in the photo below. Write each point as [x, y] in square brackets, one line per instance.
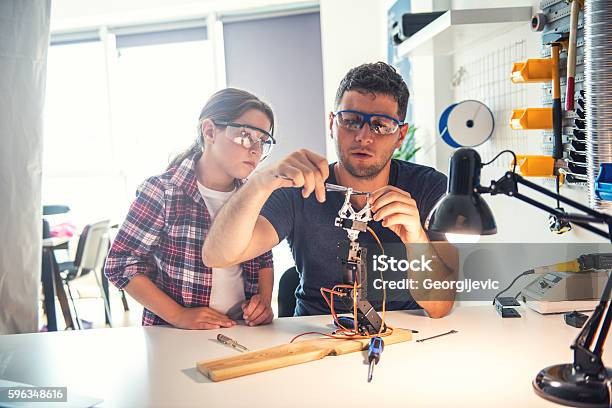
[355, 263]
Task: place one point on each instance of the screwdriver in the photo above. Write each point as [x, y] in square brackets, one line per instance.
[343, 189]
[330, 187]
[375, 349]
[231, 342]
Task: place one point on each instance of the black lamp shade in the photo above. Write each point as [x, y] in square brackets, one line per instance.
[463, 210]
[462, 214]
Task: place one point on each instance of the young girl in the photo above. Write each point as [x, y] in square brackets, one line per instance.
[157, 254]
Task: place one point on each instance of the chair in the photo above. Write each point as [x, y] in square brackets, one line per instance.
[287, 285]
[90, 256]
[49, 265]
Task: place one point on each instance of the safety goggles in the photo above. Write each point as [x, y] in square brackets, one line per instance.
[379, 124]
[249, 137]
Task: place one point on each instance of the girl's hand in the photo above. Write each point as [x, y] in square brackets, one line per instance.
[257, 311]
[201, 318]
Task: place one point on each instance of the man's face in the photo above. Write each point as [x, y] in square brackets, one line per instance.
[362, 152]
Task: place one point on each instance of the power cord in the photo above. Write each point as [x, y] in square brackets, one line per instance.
[519, 293]
[499, 154]
[609, 385]
[557, 178]
[529, 272]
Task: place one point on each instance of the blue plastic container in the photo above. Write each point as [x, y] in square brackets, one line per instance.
[603, 182]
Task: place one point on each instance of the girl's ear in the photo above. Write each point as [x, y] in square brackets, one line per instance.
[208, 131]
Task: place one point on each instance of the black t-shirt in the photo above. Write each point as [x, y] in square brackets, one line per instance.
[309, 228]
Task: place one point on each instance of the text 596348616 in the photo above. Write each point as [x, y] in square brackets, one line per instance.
[33, 394]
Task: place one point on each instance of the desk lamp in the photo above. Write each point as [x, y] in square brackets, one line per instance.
[463, 213]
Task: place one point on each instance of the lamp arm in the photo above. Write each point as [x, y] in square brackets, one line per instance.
[580, 220]
[602, 217]
[508, 185]
[586, 360]
[589, 360]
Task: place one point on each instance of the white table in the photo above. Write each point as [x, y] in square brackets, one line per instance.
[490, 362]
[53, 242]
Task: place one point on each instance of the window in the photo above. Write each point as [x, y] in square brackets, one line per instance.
[77, 152]
[114, 117]
[160, 91]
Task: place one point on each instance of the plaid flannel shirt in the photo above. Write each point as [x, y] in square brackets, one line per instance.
[162, 238]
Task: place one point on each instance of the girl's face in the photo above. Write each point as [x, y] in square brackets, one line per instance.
[238, 149]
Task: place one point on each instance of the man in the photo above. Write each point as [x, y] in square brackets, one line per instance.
[367, 126]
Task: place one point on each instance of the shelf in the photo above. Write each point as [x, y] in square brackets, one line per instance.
[531, 118]
[535, 166]
[458, 30]
[532, 70]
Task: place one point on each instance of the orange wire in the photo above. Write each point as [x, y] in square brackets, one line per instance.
[348, 334]
[355, 325]
[345, 337]
[384, 303]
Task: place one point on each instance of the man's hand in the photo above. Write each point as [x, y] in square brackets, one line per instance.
[198, 318]
[239, 233]
[257, 311]
[398, 212]
[302, 168]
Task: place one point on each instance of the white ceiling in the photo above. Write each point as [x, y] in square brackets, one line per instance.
[68, 15]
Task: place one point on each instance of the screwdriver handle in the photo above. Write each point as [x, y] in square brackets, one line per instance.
[225, 340]
[375, 349]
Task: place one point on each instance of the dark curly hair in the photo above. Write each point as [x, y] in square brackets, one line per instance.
[376, 78]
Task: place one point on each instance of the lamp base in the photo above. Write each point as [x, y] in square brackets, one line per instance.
[564, 385]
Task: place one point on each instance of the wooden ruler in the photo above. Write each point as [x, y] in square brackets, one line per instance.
[288, 354]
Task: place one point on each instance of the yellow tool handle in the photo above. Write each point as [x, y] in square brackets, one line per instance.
[569, 266]
[556, 81]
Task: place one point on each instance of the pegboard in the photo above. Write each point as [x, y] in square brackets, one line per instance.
[557, 13]
[484, 77]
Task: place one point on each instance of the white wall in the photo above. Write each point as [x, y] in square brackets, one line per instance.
[430, 94]
[353, 32]
[291, 49]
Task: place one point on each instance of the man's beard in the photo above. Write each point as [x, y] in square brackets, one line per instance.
[364, 172]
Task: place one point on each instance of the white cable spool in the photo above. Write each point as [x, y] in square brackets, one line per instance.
[466, 124]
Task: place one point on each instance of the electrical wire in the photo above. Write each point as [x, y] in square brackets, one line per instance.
[558, 185]
[529, 272]
[609, 385]
[344, 332]
[558, 178]
[499, 154]
[333, 336]
[384, 303]
[519, 293]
